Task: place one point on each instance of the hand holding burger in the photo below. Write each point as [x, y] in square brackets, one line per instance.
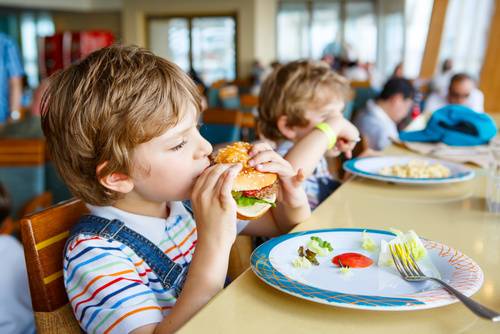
[254, 191]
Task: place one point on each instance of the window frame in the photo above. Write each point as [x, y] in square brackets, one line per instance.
[189, 18]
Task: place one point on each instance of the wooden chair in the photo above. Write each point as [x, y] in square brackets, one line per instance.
[221, 125]
[11, 226]
[229, 98]
[44, 235]
[22, 170]
[249, 101]
[42, 201]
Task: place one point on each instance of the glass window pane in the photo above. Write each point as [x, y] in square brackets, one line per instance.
[169, 38]
[391, 41]
[466, 33]
[361, 30]
[214, 50]
[417, 18]
[325, 28]
[293, 40]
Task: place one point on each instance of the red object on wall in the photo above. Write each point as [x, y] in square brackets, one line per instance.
[77, 45]
[62, 49]
[51, 54]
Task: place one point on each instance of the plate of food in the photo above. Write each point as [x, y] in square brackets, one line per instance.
[353, 268]
[410, 170]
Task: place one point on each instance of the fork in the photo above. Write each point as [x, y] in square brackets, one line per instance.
[410, 271]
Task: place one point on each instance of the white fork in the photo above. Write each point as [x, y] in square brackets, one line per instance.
[410, 271]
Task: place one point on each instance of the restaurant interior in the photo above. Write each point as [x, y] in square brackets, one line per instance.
[400, 173]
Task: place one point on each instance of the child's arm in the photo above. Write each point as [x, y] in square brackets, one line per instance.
[292, 206]
[307, 152]
[215, 214]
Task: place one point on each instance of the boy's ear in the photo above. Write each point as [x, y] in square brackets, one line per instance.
[285, 129]
[118, 182]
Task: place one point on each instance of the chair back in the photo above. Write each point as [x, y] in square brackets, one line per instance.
[44, 235]
[229, 97]
[249, 102]
[361, 97]
[22, 170]
[221, 125]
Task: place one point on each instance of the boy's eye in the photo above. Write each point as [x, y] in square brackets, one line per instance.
[178, 147]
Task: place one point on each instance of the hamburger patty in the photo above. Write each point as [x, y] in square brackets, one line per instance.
[262, 193]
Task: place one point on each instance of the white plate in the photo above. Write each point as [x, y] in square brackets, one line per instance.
[370, 167]
[373, 288]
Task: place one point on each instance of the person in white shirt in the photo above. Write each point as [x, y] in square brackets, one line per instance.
[16, 314]
[378, 123]
[462, 90]
[441, 81]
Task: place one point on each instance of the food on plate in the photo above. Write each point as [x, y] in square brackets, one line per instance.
[253, 191]
[301, 262]
[415, 246]
[352, 260]
[307, 255]
[417, 169]
[367, 242]
[319, 246]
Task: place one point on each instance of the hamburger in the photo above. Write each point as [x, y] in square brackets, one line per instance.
[253, 191]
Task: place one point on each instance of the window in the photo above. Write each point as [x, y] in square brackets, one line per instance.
[417, 18]
[33, 26]
[466, 33]
[310, 29]
[205, 44]
[360, 30]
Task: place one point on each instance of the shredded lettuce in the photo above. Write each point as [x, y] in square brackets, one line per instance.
[301, 262]
[249, 201]
[417, 249]
[345, 270]
[367, 242]
[314, 246]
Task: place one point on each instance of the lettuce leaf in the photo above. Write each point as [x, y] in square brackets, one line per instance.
[249, 201]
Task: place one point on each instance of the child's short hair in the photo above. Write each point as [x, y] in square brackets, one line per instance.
[294, 88]
[99, 109]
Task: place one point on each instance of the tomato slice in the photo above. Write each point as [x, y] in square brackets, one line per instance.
[249, 193]
[352, 260]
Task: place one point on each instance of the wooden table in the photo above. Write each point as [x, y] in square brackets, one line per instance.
[454, 214]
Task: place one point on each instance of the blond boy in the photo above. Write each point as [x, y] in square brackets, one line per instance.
[121, 127]
[300, 108]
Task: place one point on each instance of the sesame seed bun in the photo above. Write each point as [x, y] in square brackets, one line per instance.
[248, 178]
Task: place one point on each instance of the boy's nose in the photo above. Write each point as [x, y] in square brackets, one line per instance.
[205, 148]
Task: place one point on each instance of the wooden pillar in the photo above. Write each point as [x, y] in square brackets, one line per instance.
[490, 73]
[433, 43]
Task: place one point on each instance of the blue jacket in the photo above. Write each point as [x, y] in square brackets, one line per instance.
[455, 125]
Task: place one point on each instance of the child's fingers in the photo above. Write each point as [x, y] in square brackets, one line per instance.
[278, 167]
[259, 147]
[226, 186]
[212, 176]
[299, 177]
[263, 157]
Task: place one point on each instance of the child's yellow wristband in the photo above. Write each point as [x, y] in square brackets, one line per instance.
[327, 130]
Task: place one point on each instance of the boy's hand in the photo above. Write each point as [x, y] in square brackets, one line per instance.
[213, 206]
[264, 159]
[347, 135]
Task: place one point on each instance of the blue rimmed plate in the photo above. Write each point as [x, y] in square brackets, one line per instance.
[370, 167]
[371, 288]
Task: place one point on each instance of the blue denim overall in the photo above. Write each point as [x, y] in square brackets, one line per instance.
[170, 274]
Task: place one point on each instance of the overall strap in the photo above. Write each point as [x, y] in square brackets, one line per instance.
[171, 274]
[189, 207]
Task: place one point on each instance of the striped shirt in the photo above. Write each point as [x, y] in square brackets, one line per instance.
[113, 290]
[10, 66]
[320, 184]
